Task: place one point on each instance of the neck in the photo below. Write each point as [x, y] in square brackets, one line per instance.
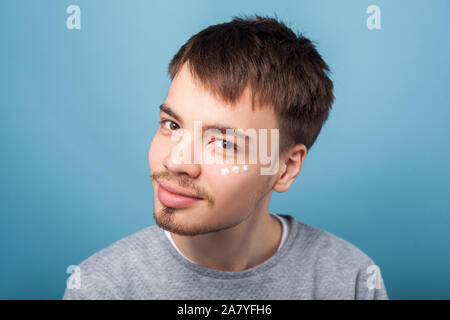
[244, 246]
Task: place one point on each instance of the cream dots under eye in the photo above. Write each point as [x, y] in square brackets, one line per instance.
[235, 169]
[224, 171]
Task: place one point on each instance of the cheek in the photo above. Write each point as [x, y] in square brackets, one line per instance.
[236, 172]
[233, 180]
[235, 193]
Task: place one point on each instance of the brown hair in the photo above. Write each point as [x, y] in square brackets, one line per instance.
[284, 71]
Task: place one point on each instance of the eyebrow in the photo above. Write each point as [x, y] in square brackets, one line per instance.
[222, 128]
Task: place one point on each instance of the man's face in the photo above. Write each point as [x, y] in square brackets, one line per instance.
[227, 199]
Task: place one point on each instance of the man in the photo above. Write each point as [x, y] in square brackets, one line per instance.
[215, 238]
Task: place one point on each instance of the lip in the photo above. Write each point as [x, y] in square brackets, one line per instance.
[175, 197]
[179, 191]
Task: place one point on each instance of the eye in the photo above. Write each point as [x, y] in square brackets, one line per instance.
[169, 124]
[224, 144]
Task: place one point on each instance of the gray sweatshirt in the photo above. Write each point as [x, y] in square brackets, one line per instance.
[311, 263]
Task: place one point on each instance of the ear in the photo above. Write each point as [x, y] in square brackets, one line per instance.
[290, 167]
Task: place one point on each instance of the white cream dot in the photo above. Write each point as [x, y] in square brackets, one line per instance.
[244, 167]
[235, 169]
[224, 171]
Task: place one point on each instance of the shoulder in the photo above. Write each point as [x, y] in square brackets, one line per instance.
[330, 248]
[121, 251]
[105, 272]
[339, 264]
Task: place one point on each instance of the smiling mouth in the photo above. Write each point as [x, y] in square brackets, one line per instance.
[175, 200]
[178, 190]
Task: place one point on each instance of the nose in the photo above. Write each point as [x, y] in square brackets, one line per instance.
[180, 159]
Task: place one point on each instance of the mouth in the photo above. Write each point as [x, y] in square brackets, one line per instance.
[173, 197]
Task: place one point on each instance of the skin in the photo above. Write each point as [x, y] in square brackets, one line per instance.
[231, 229]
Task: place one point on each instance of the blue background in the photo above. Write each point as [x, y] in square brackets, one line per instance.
[79, 109]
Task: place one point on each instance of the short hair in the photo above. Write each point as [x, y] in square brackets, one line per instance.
[283, 70]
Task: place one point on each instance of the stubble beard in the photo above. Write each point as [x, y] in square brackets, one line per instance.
[165, 218]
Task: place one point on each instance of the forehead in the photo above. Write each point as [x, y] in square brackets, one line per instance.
[191, 101]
